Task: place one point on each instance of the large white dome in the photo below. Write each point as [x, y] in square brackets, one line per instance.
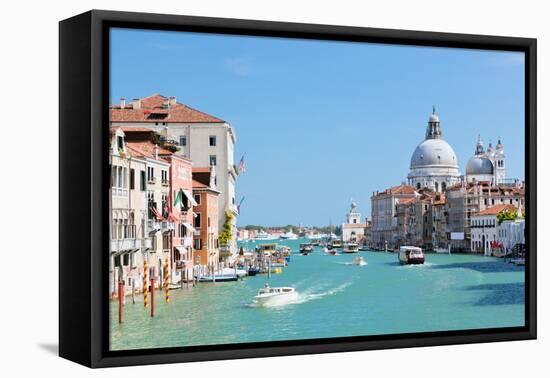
[434, 152]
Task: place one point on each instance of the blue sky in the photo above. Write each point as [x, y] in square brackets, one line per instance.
[323, 122]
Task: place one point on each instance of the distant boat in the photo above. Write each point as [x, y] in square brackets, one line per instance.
[252, 271]
[289, 235]
[267, 249]
[411, 255]
[336, 243]
[313, 236]
[262, 235]
[350, 247]
[306, 248]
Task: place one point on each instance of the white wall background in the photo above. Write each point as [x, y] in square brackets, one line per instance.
[29, 92]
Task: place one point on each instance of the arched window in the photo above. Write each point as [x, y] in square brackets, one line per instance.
[417, 185]
[437, 186]
[443, 186]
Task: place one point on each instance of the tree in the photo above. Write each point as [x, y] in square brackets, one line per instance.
[506, 215]
[227, 233]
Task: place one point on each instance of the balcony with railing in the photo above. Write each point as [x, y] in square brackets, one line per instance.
[128, 244]
[163, 226]
[186, 241]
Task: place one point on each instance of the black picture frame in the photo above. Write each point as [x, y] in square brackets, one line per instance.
[83, 196]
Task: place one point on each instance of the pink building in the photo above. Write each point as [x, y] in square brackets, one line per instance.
[180, 211]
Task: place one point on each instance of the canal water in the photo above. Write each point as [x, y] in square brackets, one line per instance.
[336, 298]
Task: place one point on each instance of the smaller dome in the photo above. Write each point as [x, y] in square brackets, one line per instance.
[479, 165]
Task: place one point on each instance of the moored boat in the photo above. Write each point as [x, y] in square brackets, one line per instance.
[267, 249]
[218, 278]
[411, 255]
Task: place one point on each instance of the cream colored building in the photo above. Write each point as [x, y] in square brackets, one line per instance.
[129, 237]
[383, 210]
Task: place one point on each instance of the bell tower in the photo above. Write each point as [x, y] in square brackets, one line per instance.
[500, 163]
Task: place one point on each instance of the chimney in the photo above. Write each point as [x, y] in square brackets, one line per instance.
[172, 101]
[122, 102]
[136, 103]
[156, 152]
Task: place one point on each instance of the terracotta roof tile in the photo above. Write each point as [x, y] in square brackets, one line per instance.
[145, 149]
[402, 201]
[497, 210]
[155, 105]
[199, 185]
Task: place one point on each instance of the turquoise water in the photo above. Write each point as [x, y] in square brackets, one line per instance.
[335, 299]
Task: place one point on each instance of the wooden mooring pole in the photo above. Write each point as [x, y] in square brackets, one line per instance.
[152, 297]
[120, 298]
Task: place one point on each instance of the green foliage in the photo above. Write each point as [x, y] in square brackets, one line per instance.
[160, 141]
[226, 235]
[507, 215]
[171, 147]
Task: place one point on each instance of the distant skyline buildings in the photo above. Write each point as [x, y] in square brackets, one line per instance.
[323, 122]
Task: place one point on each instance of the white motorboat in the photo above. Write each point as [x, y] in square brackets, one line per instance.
[359, 261]
[273, 296]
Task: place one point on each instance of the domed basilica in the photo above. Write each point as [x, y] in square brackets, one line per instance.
[434, 164]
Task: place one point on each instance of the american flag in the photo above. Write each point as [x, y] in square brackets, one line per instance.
[242, 165]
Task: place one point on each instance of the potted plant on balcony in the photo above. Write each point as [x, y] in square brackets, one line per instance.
[226, 235]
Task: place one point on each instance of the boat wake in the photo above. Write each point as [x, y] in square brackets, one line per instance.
[306, 296]
[363, 263]
[417, 266]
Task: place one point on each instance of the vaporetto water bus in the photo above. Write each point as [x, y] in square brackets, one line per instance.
[350, 247]
[336, 243]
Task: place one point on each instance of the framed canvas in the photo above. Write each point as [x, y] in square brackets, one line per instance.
[234, 188]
